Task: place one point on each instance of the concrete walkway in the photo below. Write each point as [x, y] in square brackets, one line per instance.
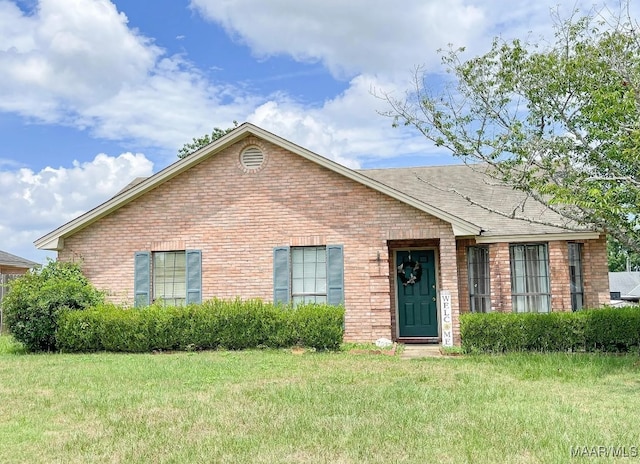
[420, 351]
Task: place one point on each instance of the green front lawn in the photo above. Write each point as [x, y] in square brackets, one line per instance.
[275, 406]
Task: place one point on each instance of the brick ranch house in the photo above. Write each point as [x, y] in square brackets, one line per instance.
[254, 215]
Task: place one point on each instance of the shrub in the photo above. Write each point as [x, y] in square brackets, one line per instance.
[34, 302]
[214, 324]
[319, 326]
[607, 329]
[614, 330]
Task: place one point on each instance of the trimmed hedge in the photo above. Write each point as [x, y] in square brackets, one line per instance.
[214, 324]
[607, 329]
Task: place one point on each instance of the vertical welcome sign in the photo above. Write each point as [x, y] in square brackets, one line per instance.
[447, 320]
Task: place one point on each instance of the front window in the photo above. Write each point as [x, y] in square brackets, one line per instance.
[530, 289]
[575, 276]
[309, 275]
[169, 277]
[479, 279]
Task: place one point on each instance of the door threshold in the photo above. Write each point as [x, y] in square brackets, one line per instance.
[419, 340]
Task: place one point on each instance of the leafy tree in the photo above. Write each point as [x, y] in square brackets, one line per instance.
[205, 140]
[559, 121]
[620, 258]
[34, 301]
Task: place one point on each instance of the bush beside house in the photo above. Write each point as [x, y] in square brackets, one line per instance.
[34, 302]
[42, 312]
[608, 330]
[214, 324]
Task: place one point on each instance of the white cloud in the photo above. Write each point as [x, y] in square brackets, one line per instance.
[78, 63]
[377, 36]
[358, 36]
[176, 103]
[375, 45]
[349, 128]
[68, 54]
[38, 202]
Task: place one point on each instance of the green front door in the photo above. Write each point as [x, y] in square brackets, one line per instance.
[416, 284]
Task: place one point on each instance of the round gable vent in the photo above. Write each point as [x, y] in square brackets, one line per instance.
[252, 158]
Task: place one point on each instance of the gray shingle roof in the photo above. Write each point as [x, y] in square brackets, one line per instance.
[7, 259]
[627, 283]
[435, 185]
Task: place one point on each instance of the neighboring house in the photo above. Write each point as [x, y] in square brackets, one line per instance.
[11, 266]
[254, 215]
[624, 288]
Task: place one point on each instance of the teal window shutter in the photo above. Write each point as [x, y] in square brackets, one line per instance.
[281, 275]
[194, 276]
[335, 274]
[142, 279]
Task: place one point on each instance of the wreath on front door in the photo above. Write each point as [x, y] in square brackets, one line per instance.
[414, 270]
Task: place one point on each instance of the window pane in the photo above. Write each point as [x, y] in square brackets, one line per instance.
[530, 278]
[308, 271]
[296, 255]
[479, 279]
[309, 285]
[309, 254]
[575, 276]
[169, 277]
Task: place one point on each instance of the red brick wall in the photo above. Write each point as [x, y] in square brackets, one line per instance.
[463, 273]
[500, 269]
[595, 275]
[559, 276]
[236, 218]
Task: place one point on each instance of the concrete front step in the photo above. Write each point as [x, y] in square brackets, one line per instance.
[420, 351]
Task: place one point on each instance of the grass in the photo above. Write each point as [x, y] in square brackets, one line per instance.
[273, 406]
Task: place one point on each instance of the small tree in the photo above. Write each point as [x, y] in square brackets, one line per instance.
[620, 258]
[559, 121]
[34, 301]
[205, 140]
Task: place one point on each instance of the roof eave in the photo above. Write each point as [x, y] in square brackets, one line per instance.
[519, 238]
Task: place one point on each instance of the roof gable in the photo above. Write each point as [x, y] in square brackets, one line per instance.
[55, 239]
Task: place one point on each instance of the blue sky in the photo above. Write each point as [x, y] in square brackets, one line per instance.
[97, 92]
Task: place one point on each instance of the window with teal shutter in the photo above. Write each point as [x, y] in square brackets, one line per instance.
[313, 274]
[142, 279]
[176, 277]
[194, 276]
